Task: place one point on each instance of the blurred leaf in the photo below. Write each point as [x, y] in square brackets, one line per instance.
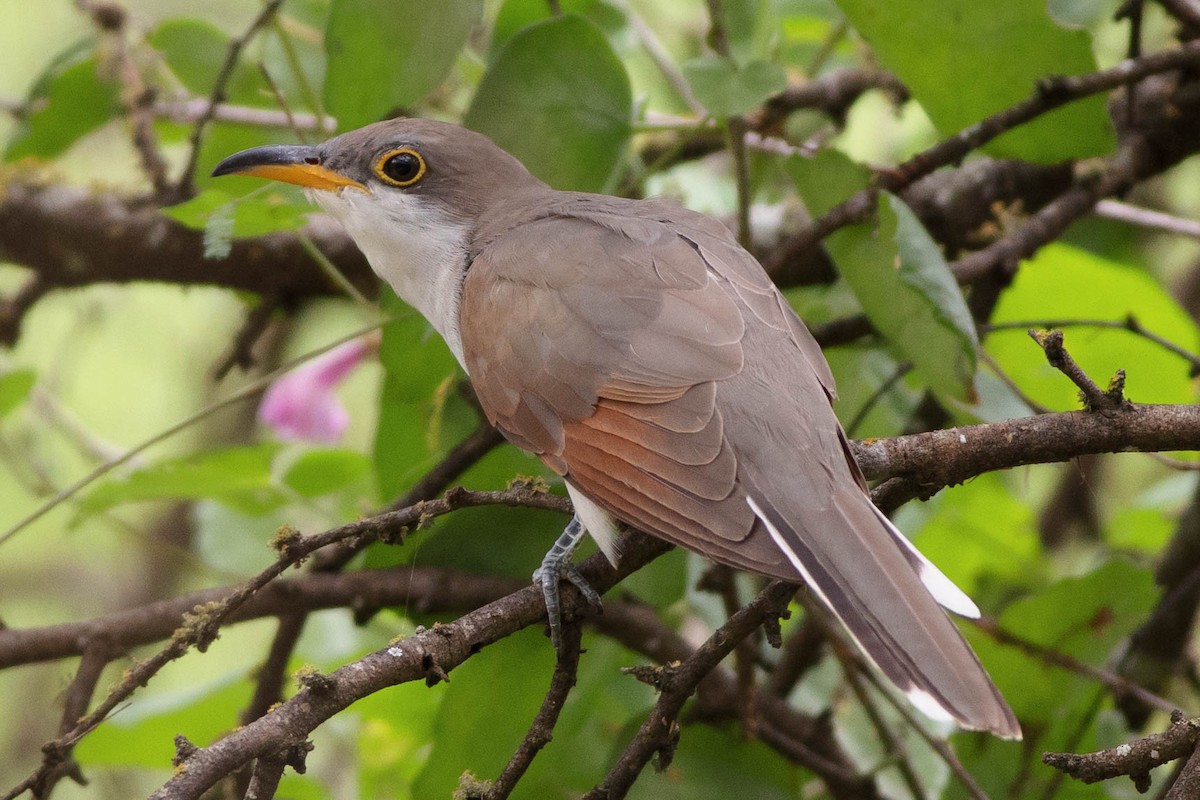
[144, 731]
[1061, 282]
[750, 28]
[569, 126]
[1083, 617]
[478, 726]
[318, 472]
[15, 386]
[717, 764]
[237, 476]
[195, 52]
[826, 179]
[981, 538]
[1078, 13]
[396, 728]
[68, 103]
[415, 363]
[224, 217]
[727, 89]
[514, 15]
[383, 56]
[959, 59]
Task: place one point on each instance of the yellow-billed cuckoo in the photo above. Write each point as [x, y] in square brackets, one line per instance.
[646, 358]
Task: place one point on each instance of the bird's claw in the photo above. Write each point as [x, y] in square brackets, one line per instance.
[558, 565]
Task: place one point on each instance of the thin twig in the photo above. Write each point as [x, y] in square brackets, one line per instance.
[893, 747]
[1133, 758]
[201, 626]
[217, 97]
[1130, 324]
[662, 59]
[1115, 684]
[193, 110]
[333, 273]
[246, 392]
[541, 730]
[901, 370]
[1147, 218]
[1094, 398]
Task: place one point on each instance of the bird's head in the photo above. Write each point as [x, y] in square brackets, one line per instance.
[408, 171]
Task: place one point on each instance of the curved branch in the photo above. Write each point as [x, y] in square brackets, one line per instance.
[425, 656]
[927, 462]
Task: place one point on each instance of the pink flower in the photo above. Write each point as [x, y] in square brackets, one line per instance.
[301, 405]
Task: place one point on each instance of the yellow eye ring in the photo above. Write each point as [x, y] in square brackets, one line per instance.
[401, 167]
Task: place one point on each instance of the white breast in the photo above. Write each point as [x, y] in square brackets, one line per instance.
[415, 246]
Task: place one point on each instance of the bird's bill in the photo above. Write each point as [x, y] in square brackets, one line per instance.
[289, 163]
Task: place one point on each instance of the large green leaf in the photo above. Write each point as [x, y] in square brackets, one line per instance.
[1084, 617]
[568, 125]
[384, 55]
[320, 471]
[143, 733]
[69, 102]
[901, 279]
[237, 476]
[491, 699]
[964, 60]
[1062, 282]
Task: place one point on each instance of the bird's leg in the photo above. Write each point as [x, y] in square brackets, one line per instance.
[557, 565]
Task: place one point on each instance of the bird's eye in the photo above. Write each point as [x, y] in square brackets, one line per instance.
[401, 167]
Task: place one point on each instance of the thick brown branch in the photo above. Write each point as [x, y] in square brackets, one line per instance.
[432, 652]
[1047, 97]
[930, 461]
[423, 589]
[1134, 759]
[72, 237]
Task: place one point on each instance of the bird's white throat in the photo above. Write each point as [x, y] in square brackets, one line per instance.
[419, 249]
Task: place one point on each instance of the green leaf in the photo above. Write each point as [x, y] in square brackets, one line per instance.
[15, 386]
[964, 60]
[569, 126]
[900, 277]
[981, 537]
[318, 472]
[479, 725]
[69, 102]
[727, 89]
[1062, 282]
[237, 476]
[195, 52]
[1084, 617]
[515, 15]
[420, 414]
[143, 734]
[224, 217]
[717, 764]
[383, 56]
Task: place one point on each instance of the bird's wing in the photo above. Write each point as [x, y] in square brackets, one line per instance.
[656, 367]
[600, 351]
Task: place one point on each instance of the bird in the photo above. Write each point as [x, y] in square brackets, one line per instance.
[646, 357]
